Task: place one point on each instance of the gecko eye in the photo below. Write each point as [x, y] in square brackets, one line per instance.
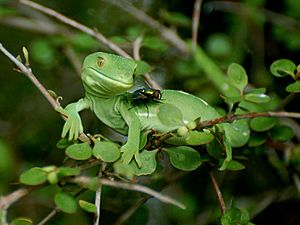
[100, 62]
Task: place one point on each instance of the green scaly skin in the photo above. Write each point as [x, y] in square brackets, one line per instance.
[106, 78]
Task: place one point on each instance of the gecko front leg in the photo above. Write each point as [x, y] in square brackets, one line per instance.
[73, 124]
[130, 150]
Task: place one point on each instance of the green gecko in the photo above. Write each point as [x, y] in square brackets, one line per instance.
[106, 79]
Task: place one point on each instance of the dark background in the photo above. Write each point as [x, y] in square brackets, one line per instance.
[253, 33]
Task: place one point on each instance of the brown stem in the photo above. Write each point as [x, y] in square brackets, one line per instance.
[92, 32]
[166, 33]
[7, 200]
[195, 25]
[232, 117]
[218, 192]
[28, 73]
[137, 44]
[85, 182]
[129, 212]
[57, 210]
[97, 35]
[49, 216]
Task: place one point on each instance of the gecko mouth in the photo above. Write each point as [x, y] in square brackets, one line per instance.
[114, 82]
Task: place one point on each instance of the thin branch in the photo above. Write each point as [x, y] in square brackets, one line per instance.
[49, 216]
[136, 55]
[195, 25]
[218, 192]
[98, 204]
[92, 32]
[84, 181]
[26, 70]
[97, 35]
[228, 119]
[129, 212]
[7, 200]
[166, 33]
[39, 26]
[98, 196]
[57, 210]
[232, 117]
[136, 48]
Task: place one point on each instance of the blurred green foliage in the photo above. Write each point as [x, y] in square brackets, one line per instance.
[253, 33]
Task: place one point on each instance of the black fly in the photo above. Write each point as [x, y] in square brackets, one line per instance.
[145, 96]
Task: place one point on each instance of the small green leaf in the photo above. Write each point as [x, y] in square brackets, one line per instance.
[260, 124]
[251, 106]
[19, 58]
[26, 55]
[142, 68]
[63, 143]
[199, 138]
[257, 90]
[184, 158]
[283, 67]
[143, 139]
[257, 98]
[193, 124]
[257, 139]
[124, 169]
[68, 171]
[52, 177]
[170, 115]
[106, 151]
[21, 221]
[294, 87]
[148, 161]
[237, 76]
[282, 133]
[49, 168]
[82, 151]
[231, 217]
[227, 160]
[53, 94]
[233, 99]
[182, 131]
[237, 132]
[34, 176]
[245, 217]
[87, 206]
[65, 202]
[234, 165]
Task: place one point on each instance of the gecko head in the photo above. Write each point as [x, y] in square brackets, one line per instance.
[106, 74]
